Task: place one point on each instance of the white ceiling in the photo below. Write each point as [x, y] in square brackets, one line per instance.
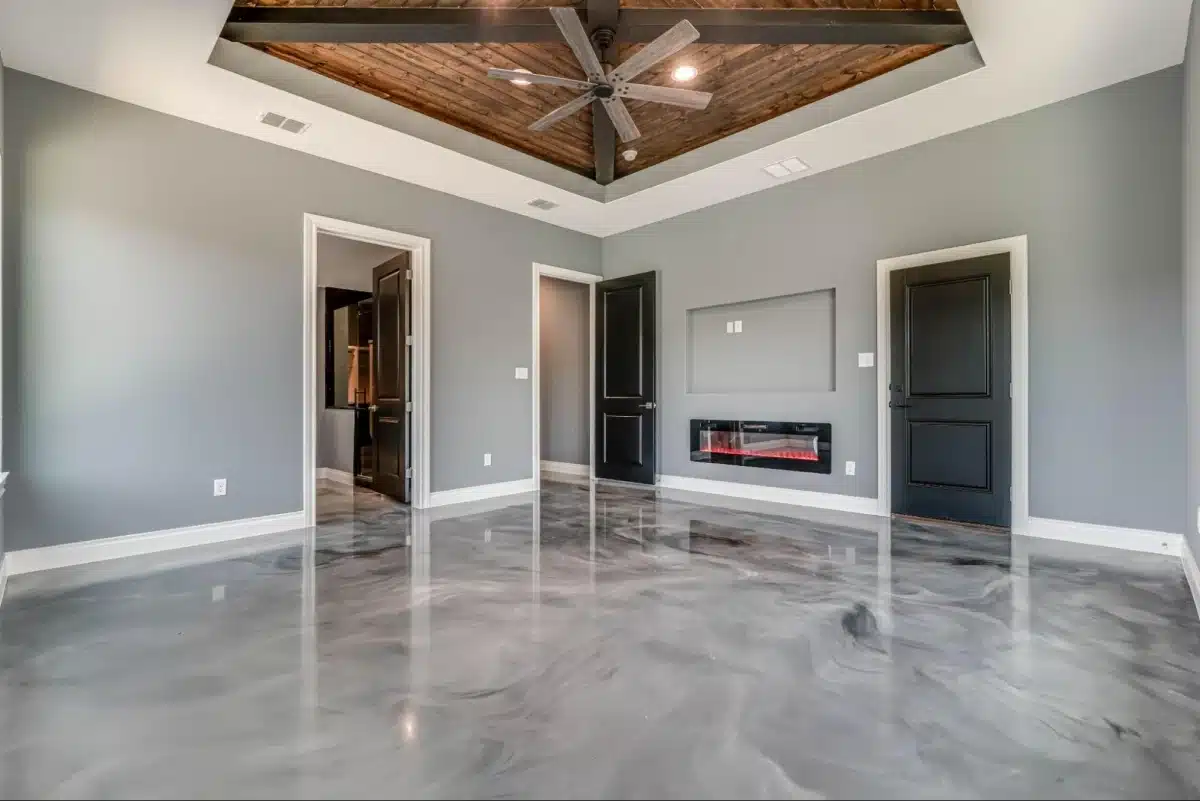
[154, 53]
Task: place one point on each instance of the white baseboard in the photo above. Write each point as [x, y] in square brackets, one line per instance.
[79, 553]
[333, 474]
[1191, 569]
[759, 492]
[565, 468]
[482, 492]
[1128, 539]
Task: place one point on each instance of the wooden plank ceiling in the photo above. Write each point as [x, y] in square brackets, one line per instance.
[750, 83]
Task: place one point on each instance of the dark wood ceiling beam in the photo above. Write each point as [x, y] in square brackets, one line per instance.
[262, 24]
[603, 14]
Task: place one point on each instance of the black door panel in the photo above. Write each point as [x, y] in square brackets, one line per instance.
[950, 393]
[389, 412]
[625, 390]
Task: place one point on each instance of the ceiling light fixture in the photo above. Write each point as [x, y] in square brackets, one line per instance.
[684, 73]
[518, 81]
[782, 169]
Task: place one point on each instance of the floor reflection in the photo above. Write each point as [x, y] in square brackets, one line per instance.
[603, 642]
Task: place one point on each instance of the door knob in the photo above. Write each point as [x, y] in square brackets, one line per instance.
[649, 405]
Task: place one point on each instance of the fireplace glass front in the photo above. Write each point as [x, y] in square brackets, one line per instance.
[804, 447]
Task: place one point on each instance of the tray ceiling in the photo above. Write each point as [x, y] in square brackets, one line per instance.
[751, 83]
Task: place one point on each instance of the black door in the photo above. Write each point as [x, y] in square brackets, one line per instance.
[390, 411]
[951, 393]
[625, 391]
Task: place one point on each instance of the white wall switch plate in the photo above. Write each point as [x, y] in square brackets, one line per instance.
[851, 467]
[218, 487]
[218, 593]
[487, 460]
[487, 535]
[866, 360]
[737, 326]
[729, 326]
[523, 373]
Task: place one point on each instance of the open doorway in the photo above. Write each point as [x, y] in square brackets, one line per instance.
[366, 367]
[563, 371]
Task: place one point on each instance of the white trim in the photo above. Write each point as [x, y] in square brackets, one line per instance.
[1125, 539]
[421, 250]
[535, 372]
[759, 492]
[335, 475]
[1018, 249]
[80, 553]
[482, 492]
[1191, 569]
[4, 563]
[565, 468]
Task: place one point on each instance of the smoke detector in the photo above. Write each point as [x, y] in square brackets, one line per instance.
[629, 155]
[543, 204]
[283, 123]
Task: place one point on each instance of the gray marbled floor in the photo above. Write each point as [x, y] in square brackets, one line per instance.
[603, 644]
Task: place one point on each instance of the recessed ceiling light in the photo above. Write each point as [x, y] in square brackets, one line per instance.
[777, 171]
[684, 73]
[543, 204]
[794, 165]
[518, 81]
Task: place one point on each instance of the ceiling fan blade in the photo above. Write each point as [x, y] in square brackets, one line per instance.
[682, 34]
[533, 77]
[562, 112]
[622, 122]
[568, 22]
[688, 98]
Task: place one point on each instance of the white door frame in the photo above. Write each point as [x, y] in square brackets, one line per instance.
[580, 278]
[1018, 249]
[421, 250]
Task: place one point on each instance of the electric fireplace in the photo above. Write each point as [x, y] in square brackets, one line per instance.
[804, 447]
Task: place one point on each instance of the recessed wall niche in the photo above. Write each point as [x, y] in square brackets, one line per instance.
[777, 344]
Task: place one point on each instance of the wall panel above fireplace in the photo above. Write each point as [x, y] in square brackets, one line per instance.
[777, 344]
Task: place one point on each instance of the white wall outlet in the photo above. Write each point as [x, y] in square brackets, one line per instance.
[487, 460]
[866, 360]
[737, 326]
[218, 487]
[523, 373]
[729, 326]
[218, 593]
[851, 468]
[487, 535]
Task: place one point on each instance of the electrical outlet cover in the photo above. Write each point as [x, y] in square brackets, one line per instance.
[866, 360]
[851, 468]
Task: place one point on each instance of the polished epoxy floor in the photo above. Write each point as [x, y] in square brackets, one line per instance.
[607, 643]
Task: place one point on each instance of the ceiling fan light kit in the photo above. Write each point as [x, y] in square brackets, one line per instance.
[611, 87]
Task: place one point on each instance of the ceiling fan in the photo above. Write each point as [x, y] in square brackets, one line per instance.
[610, 88]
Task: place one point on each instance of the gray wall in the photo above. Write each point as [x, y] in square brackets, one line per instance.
[1095, 183]
[153, 317]
[1191, 273]
[563, 362]
[2, 237]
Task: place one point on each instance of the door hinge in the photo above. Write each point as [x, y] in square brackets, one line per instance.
[1010, 390]
[408, 340]
[408, 472]
[1010, 286]
[408, 274]
[408, 406]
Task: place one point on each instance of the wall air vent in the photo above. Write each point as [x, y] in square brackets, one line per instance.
[543, 204]
[282, 122]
